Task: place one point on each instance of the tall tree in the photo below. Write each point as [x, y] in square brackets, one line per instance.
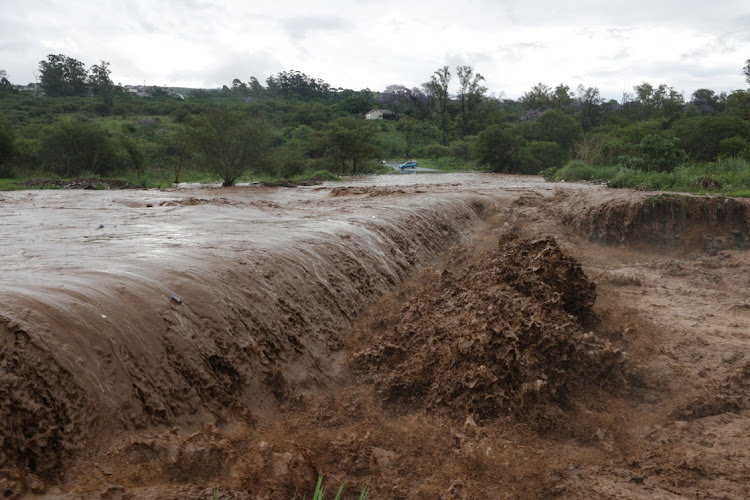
[101, 84]
[746, 71]
[439, 89]
[229, 142]
[412, 130]
[395, 98]
[7, 142]
[471, 94]
[589, 101]
[538, 98]
[5, 85]
[295, 84]
[658, 102]
[348, 139]
[707, 102]
[562, 97]
[99, 79]
[63, 76]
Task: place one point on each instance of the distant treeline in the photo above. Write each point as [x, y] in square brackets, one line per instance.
[78, 121]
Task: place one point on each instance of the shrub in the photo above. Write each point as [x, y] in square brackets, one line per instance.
[71, 147]
[435, 151]
[656, 153]
[7, 145]
[536, 156]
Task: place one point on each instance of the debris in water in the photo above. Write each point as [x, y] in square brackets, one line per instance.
[101, 226]
[176, 298]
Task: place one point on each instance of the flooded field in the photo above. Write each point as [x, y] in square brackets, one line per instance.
[429, 335]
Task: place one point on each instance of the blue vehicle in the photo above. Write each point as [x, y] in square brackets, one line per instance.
[408, 164]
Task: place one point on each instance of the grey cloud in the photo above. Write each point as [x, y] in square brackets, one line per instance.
[300, 26]
[231, 66]
[517, 51]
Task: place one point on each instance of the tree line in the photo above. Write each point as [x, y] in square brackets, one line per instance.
[295, 123]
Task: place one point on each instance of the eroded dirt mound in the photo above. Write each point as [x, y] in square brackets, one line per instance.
[665, 221]
[501, 333]
[88, 183]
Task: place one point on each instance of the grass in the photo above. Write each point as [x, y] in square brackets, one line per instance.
[10, 184]
[450, 164]
[319, 493]
[726, 176]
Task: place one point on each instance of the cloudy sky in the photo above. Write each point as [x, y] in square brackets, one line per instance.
[367, 44]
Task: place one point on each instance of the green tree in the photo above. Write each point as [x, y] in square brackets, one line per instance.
[348, 139]
[539, 155]
[229, 142]
[5, 85]
[72, 147]
[439, 88]
[590, 101]
[296, 85]
[134, 157]
[738, 102]
[554, 125]
[470, 96]
[63, 76]
[561, 97]
[7, 144]
[177, 150]
[658, 102]
[101, 85]
[701, 136]
[734, 146]
[656, 153]
[498, 147]
[539, 98]
[746, 71]
[412, 130]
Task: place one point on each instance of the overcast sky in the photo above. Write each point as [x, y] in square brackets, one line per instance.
[370, 44]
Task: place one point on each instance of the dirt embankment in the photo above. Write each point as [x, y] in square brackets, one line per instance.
[666, 222]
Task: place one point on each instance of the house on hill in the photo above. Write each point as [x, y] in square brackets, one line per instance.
[380, 114]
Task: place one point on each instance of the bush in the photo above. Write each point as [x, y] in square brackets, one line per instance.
[7, 145]
[435, 151]
[498, 147]
[72, 146]
[734, 147]
[656, 153]
[461, 149]
[576, 170]
[536, 156]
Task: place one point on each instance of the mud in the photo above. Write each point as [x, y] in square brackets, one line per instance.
[667, 222]
[501, 332]
[431, 336]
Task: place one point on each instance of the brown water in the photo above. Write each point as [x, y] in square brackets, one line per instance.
[109, 388]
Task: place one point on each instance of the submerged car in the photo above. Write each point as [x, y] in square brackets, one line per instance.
[408, 164]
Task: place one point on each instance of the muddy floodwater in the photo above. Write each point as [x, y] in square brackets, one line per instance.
[425, 335]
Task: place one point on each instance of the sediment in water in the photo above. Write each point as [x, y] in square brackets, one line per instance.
[111, 351]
